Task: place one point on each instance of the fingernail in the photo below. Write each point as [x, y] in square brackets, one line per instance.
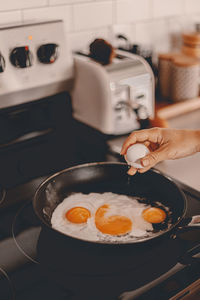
[145, 162]
[129, 172]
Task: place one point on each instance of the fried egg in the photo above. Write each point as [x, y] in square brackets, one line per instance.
[106, 217]
[154, 215]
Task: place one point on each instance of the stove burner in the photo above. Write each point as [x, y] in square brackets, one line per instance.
[6, 286]
[26, 230]
[2, 195]
[35, 277]
[145, 263]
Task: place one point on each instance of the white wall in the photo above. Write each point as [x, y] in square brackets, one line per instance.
[154, 22]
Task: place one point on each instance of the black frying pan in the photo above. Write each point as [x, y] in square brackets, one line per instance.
[112, 177]
[76, 256]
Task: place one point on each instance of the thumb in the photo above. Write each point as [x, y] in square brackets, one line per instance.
[154, 157]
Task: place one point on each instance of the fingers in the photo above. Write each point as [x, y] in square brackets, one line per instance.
[150, 160]
[146, 135]
[147, 144]
[152, 138]
[128, 142]
[132, 171]
[153, 158]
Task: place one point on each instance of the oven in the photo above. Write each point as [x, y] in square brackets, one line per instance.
[34, 139]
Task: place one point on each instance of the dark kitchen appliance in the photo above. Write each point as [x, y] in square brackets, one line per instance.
[37, 133]
[162, 270]
[35, 136]
[35, 106]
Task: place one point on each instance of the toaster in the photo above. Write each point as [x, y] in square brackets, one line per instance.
[114, 97]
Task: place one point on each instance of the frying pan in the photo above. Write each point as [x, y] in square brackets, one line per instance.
[77, 256]
[111, 177]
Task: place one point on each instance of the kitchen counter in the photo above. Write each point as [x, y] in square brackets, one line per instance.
[186, 170]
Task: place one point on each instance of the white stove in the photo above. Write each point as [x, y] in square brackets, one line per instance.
[35, 62]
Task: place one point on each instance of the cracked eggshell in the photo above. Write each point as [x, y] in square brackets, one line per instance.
[135, 153]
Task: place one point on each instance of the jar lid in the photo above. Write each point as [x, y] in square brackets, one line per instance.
[191, 51]
[191, 38]
[185, 61]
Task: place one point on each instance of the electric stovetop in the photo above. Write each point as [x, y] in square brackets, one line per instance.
[159, 272]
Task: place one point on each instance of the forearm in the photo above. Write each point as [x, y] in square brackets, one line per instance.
[178, 143]
[197, 138]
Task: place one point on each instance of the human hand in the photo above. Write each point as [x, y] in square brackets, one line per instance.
[163, 144]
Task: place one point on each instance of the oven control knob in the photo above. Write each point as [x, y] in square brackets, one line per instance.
[47, 53]
[21, 57]
[2, 63]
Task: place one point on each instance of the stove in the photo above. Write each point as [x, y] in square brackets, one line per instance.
[35, 61]
[159, 271]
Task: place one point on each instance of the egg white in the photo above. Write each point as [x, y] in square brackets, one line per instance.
[122, 205]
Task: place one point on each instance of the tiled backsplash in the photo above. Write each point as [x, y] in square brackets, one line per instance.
[157, 23]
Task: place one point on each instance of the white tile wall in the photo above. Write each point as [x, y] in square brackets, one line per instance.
[57, 12]
[92, 15]
[127, 30]
[56, 2]
[10, 16]
[163, 8]
[21, 4]
[192, 6]
[161, 35]
[81, 40]
[154, 22]
[128, 11]
[144, 33]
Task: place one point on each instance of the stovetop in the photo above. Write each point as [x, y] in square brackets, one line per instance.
[157, 271]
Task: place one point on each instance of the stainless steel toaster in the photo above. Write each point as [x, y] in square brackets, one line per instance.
[111, 98]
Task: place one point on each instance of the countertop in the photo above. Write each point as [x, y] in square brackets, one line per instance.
[186, 170]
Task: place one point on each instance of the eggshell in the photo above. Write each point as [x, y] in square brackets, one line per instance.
[135, 153]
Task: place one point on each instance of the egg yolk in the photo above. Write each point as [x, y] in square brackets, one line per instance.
[78, 215]
[113, 225]
[154, 215]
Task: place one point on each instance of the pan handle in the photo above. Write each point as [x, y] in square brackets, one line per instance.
[190, 256]
[190, 222]
[189, 232]
[195, 221]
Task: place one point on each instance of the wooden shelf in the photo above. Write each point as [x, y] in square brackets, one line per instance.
[166, 110]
